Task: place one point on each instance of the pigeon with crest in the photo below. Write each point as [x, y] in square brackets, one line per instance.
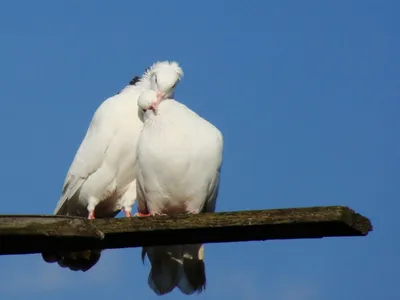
[101, 180]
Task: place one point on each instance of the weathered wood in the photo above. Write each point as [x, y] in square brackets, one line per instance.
[35, 234]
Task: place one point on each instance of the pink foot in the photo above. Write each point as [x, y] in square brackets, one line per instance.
[193, 212]
[149, 214]
[142, 215]
[91, 215]
[127, 213]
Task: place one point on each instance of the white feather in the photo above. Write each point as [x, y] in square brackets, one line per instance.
[104, 165]
[179, 161]
[102, 176]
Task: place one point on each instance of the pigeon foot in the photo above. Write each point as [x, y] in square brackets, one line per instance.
[91, 215]
[142, 215]
[127, 213]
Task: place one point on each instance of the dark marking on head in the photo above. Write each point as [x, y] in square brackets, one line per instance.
[134, 80]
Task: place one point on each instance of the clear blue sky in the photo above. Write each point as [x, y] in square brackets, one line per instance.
[306, 94]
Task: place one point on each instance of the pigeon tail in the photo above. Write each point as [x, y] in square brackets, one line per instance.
[193, 277]
[165, 267]
[75, 261]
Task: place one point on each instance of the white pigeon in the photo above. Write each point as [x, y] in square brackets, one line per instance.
[102, 177]
[179, 157]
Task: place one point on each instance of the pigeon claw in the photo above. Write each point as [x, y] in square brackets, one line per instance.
[91, 215]
[159, 214]
[127, 213]
[149, 214]
[142, 215]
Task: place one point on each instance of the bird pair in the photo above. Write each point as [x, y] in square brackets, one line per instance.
[143, 145]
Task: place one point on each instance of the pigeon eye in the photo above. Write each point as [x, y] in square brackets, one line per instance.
[155, 79]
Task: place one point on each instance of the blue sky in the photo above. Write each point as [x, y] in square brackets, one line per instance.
[306, 94]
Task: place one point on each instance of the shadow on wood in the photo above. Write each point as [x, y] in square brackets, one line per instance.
[36, 234]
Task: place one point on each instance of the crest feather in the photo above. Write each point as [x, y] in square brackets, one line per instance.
[162, 64]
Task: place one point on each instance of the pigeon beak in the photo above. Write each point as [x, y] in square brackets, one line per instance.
[160, 96]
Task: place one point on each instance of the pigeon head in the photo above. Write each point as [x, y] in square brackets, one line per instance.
[147, 99]
[164, 77]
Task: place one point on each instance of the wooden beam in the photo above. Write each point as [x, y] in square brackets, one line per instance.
[20, 234]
